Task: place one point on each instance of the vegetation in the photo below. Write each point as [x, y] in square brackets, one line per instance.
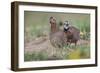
[35, 56]
[70, 52]
[37, 25]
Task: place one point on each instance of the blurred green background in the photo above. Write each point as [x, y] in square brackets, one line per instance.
[37, 23]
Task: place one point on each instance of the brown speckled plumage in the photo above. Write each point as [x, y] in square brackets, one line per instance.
[72, 35]
[57, 37]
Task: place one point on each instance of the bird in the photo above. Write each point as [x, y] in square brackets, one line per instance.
[57, 36]
[72, 33]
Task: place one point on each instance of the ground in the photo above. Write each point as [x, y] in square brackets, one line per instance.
[41, 49]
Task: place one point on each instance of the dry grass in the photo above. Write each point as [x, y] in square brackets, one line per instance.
[37, 44]
[43, 50]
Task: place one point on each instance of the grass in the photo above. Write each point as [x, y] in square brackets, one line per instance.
[37, 25]
[81, 52]
[35, 56]
[78, 52]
